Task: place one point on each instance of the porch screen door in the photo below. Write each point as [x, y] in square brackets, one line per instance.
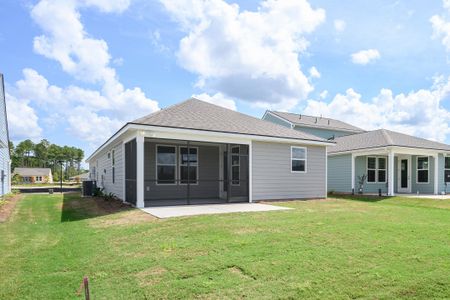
[404, 174]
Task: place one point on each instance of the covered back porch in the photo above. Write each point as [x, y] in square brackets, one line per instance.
[398, 170]
[172, 171]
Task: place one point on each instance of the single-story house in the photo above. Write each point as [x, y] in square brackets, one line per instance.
[5, 158]
[196, 152]
[392, 162]
[80, 177]
[34, 175]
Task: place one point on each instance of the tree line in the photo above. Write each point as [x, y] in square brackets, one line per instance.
[47, 155]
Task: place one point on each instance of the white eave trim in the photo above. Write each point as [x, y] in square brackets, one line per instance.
[238, 137]
[395, 149]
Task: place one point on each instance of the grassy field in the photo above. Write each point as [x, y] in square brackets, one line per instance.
[335, 248]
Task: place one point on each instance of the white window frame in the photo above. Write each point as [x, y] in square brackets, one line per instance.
[190, 165]
[377, 169]
[235, 165]
[446, 169]
[38, 178]
[427, 169]
[305, 159]
[156, 164]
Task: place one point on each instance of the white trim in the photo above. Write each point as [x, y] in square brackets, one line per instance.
[123, 172]
[427, 169]
[238, 165]
[202, 136]
[436, 174]
[326, 172]
[156, 164]
[390, 167]
[140, 198]
[305, 159]
[399, 174]
[250, 172]
[196, 165]
[353, 172]
[385, 150]
[113, 165]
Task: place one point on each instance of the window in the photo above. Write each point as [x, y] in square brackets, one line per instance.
[376, 169]
[422, 169]
[235, 165]
[113, 168]
[109, 155]
[381, 169]
[38, 178]
[166, 164]
[447, 169]
[188, 173]
[298, 159]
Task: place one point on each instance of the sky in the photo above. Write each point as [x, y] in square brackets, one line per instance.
[78, 70]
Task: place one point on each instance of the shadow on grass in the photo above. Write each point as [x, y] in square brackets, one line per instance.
[75, 207]
[363, 198]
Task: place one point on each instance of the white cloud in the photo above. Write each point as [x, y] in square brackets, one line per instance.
[22, 120]
[417, 113]
[218, 99]
[441, 26]
[339, 25]
[314, 73]
[247, 55]
[323, 94]
[364, 57]
[65, 40]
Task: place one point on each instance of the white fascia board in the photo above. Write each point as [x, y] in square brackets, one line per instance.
[152, 131]
[395, 149]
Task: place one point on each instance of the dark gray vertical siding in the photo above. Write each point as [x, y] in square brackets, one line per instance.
[272, 176]
[208, 173]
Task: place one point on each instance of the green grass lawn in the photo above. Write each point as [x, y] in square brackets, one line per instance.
[335, 248]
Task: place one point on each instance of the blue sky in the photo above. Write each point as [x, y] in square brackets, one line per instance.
[76, 71]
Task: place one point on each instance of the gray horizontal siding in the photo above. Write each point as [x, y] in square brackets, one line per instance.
[272, 176]
[273, 119]
[340, 173]
[322, 133]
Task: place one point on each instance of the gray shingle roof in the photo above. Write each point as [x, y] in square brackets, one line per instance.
[200, 115]
[32, 171]
[383, 138]
[316, 122]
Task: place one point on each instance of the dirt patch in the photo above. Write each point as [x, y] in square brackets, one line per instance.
[150, 276]
[241, 272]
[130, 217]
[8, 206]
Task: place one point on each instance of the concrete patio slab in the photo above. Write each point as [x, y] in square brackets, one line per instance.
[163, 212]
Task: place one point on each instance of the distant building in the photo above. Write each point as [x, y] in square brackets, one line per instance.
[80, 178]
[34, 175]
[5, 159]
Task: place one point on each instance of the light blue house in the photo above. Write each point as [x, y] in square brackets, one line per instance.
[5, 161]
[392, 162]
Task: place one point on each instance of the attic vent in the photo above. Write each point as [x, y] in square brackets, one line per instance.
[316, 119]
[300, 117]
[328, 121]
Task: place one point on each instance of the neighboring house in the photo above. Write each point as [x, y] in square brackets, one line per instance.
[80, 177]
[5, 159]
[197, 152]
[34, 175]
[325, 128]
[374, 153]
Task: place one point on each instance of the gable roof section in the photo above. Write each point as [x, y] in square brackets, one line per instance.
[32, 171]
[316, 122]
[199, 115]
[383, 138]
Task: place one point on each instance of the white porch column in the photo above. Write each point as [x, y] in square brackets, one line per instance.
[436, 174]
[391, 173]
[353, 172]
[140, 171]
